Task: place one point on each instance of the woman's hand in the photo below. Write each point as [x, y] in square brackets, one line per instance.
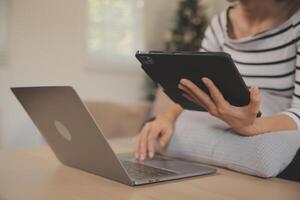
[240, 119]
[160, 129]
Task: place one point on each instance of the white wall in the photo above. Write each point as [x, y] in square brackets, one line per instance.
[47, 41]
[47, 47]
[214, 6]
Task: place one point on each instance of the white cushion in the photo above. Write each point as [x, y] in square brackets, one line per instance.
[203, 138]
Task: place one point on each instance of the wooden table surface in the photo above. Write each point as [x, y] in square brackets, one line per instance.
[35, 174]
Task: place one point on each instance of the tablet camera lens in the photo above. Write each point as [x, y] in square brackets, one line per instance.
[147, 60]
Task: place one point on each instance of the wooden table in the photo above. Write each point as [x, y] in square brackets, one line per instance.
[35, 174]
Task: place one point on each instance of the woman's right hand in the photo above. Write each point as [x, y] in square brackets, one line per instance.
[161, 129]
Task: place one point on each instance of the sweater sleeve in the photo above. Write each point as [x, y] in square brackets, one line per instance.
[212, 37]
[294, 110]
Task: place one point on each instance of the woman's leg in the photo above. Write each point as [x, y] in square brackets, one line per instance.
[292, 172]
[203, 138]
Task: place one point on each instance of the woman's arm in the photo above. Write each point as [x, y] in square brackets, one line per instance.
[164, 105]
[294, 111]
[289, 119]
[160, 129]
[241, 119]
[279, 122]
[173, 111]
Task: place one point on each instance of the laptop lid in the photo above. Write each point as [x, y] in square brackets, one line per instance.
[70, 130]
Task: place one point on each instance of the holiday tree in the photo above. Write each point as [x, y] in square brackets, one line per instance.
[190, 24]
[187, 34]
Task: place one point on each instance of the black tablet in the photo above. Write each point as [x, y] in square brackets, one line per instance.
[168, 68]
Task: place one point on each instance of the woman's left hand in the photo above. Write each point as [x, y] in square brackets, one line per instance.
[240, 119]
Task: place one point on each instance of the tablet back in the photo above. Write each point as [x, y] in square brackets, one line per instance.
[167, 69]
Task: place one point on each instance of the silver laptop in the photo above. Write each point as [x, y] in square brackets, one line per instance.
[78, 142]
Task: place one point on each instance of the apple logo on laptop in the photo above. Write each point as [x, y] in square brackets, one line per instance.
[62, 130]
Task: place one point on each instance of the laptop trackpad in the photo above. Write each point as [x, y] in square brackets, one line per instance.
[162, 162]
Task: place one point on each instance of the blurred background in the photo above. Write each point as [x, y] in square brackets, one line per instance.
[90, 45]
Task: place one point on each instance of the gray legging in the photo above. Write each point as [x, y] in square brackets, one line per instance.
[201, 137]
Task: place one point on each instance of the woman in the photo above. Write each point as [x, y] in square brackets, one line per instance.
[263, 38]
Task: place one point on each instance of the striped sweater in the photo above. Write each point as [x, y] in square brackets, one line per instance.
[270, 60]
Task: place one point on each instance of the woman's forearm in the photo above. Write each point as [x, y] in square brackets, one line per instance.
[165, 107]
[274, 123]
[173, 111]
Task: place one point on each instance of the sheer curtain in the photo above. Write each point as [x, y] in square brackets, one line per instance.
[3, 32]
[118, 28]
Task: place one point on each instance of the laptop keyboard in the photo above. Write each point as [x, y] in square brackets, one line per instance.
[139, 171]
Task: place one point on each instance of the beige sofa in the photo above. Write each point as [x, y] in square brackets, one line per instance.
[120, 120]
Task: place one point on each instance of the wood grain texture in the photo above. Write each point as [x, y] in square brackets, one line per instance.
[35, 174]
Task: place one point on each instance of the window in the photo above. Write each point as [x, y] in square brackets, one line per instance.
[3, 33]
[115, 32]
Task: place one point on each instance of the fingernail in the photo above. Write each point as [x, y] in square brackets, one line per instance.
[182, 81]
[142, 157]
[151, 154]
[254, 90]
[136, 155]
[162, 144]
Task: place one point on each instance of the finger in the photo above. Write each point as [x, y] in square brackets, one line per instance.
[190, 96]
[199, 101]
[187, 96]
[201, 96]
[212, 110]
[152, 136]
[254, 100]
[143, 142]
[214, 92]
[139, 140]
[166, 136]
[136, 147]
